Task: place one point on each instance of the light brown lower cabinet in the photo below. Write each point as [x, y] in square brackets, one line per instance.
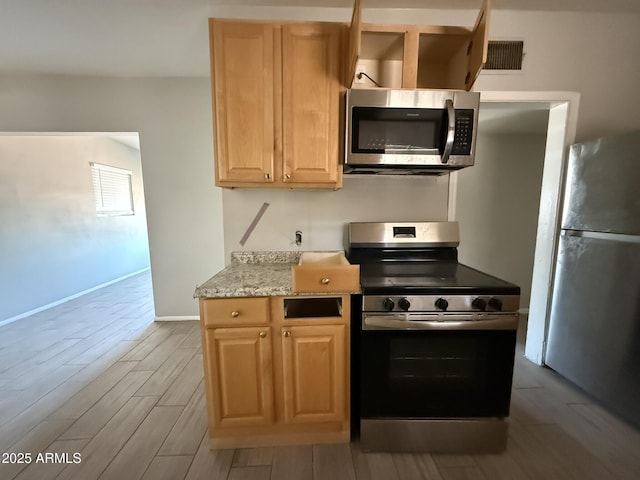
[280, 383]
[241, 363]
[313, 364]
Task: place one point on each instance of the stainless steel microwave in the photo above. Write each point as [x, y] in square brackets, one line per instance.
[410, 131]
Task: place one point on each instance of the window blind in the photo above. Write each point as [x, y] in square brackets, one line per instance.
[112, 189]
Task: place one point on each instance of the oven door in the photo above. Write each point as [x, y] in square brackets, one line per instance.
[436, 366]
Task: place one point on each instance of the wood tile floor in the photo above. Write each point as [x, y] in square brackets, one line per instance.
[97, 377]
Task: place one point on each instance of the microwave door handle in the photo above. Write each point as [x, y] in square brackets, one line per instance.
[451, 130]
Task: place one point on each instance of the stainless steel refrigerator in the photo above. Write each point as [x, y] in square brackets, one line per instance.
[594, 329]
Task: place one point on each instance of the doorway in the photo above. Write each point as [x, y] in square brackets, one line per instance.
[505, 243]
[74, 216]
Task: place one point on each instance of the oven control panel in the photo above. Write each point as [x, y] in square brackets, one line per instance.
[441, 303]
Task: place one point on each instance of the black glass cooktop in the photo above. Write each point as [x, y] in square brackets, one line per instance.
[429, 278]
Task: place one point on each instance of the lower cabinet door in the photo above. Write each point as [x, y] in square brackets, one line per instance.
[314, 373]
[241, 367]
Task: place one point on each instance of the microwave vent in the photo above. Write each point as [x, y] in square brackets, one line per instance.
[504, 55]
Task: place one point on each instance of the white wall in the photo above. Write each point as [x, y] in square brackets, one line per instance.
[590, 53]
[497, 207]
[322, 215]
[52, 243]
[594, 54]
[173, 118]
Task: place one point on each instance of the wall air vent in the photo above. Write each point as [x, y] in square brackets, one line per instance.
[504, 55]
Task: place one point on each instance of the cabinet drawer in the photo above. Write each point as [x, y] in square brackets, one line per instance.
[327, 280]
[325, 272]
[235, 311]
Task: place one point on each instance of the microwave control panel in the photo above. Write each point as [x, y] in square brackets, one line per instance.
[463, 137]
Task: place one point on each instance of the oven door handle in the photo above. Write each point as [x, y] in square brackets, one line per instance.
[436, 322]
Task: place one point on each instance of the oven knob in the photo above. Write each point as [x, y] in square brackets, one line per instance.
[495, 304]
[479, 303]
[442, 304]
[388, 304]
[404, 304]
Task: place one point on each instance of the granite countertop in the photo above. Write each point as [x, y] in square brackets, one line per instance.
[252, 274]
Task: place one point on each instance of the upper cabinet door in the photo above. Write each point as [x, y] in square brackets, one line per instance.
[416, 56]
[355, 36]
[311, 107]
[242, 59]
[477, 50]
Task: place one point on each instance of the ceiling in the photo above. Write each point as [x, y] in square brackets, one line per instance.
[130, 139]
[140, 38]
[565, 5]
[169, 37]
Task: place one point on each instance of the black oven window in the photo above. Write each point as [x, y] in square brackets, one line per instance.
[452, 364]
[438, 374]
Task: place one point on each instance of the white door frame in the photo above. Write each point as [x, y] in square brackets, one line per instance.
[561, 133]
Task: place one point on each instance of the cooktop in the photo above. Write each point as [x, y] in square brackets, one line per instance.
[430, 278]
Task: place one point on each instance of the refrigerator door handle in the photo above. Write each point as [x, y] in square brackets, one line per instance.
[613, 237]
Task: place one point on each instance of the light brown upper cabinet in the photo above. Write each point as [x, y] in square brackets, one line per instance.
[417, 56]
[276, 91]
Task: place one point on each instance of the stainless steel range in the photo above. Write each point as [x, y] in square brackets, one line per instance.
[433, 342]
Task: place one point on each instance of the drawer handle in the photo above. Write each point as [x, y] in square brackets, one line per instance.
[286, 334]
[325, 281]
[263, 334]
[234, 314]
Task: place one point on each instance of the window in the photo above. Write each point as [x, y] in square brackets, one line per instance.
[112, 189]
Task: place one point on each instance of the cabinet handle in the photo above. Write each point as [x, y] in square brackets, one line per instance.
[286, 334]
[287, 176]
[267, 176]
[263, 334]
[234, 314]
[325, 281]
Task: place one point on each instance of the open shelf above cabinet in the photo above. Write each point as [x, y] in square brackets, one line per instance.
[417, 56]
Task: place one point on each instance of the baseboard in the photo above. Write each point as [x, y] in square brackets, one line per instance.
[178, 318]
[524, 310]
[70, 297]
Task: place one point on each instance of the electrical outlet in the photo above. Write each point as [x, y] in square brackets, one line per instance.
[360, 78]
